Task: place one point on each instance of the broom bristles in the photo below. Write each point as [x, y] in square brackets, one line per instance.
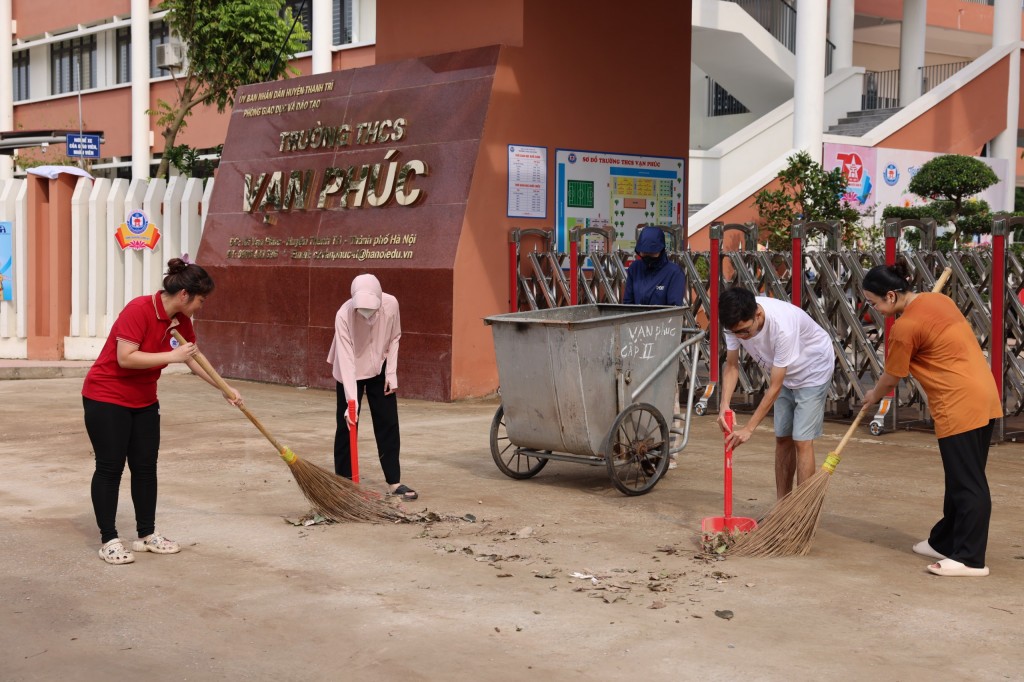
[788, 528]
[337, 498]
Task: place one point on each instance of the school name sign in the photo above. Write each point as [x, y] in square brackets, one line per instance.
[377, 184]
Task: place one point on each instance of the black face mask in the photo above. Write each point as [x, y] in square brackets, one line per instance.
[651, 261]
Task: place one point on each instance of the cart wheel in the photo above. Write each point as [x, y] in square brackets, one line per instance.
[875, 428]
[701, 408]
[636, 449]
[509, 460]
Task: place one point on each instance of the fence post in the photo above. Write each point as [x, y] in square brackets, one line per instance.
[153, 260]
[116, 297]
[997, 303]
[799, 231]
[513, 270]
[714, 284]
[99, 235]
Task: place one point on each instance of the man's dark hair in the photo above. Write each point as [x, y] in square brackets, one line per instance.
[736, 305]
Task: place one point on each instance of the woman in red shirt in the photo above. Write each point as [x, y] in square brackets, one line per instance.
[122, 414]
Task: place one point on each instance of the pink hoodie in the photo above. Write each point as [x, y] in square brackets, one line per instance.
[361, 346]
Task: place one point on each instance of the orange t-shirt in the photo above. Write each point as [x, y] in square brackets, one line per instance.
[933, 341]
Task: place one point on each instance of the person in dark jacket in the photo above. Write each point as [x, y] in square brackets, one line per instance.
[652, 279]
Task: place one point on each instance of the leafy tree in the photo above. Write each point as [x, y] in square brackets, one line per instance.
[950, 181]
[808, 192]
[230, 43]
[186, 160]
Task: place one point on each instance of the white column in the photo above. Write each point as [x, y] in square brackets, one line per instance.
[912, 37]
[1005, 30]
[6, 94]
[323, 23]
[809, 89]
[840, 32]
[140, 90]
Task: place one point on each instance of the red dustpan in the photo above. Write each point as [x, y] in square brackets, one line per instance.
[717, 524]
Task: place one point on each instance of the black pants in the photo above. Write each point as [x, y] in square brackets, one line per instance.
[384, 411]
[123, 434]
[962, 534]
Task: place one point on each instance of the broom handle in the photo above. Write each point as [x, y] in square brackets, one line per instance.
[226, 390]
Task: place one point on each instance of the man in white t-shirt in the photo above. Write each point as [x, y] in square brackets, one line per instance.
[798, 354]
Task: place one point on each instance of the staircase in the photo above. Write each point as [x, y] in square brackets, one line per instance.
[857, 123]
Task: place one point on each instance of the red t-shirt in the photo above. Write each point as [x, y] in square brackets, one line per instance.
[145, 323]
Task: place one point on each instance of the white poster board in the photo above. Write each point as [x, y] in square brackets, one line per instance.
[606, 189]
[527, 181]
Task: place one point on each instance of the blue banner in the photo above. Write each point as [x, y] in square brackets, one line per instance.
[6, 259]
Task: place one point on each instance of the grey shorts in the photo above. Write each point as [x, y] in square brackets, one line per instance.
[800, 412]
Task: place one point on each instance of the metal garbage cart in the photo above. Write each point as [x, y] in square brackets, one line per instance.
[591, 384]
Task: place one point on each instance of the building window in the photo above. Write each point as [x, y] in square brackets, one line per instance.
[123, 43]
[159, 33]
[342, 22]
[304, 10]
[20, 72]
[72, 65]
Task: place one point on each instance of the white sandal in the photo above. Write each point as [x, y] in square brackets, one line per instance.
[113, 552]
[157, 544]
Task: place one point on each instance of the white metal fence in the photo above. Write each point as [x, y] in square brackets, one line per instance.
[103, 277]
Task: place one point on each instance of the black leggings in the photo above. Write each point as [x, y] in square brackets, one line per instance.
[123, 434]
[384, 411]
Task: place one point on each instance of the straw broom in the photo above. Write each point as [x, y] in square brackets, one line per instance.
[788, 528]
[333, 497]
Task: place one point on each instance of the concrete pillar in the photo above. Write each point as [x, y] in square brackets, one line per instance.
[141, 155]
[49, 256]
[809, 89]
[6, 94]
[912, 39]
[1006, 30]
[323, 23]
[840, 32]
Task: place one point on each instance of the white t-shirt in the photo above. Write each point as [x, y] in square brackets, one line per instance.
[790, 339]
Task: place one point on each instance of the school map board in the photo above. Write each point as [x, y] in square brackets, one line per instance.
[607, 189]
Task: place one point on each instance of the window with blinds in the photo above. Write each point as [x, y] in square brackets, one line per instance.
[342, 22]
[123, 47]
[19, 71]
[159, 33]
[303, 9]
[73, 65]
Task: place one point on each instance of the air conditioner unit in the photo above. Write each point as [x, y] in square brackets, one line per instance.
[170, 55]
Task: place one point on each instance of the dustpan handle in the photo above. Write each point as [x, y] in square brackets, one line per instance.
[228, 393]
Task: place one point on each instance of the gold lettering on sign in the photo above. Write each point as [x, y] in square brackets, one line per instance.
[391, 246]
[336, 187]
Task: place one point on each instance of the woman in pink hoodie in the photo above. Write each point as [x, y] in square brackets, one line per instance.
[364, 358]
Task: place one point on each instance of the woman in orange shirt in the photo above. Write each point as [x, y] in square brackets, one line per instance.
[933, 341]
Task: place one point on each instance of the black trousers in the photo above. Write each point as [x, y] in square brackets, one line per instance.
[123, 434]
[384, 412]
[962, 533]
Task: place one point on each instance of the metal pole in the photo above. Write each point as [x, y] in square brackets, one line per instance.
[78, 77]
